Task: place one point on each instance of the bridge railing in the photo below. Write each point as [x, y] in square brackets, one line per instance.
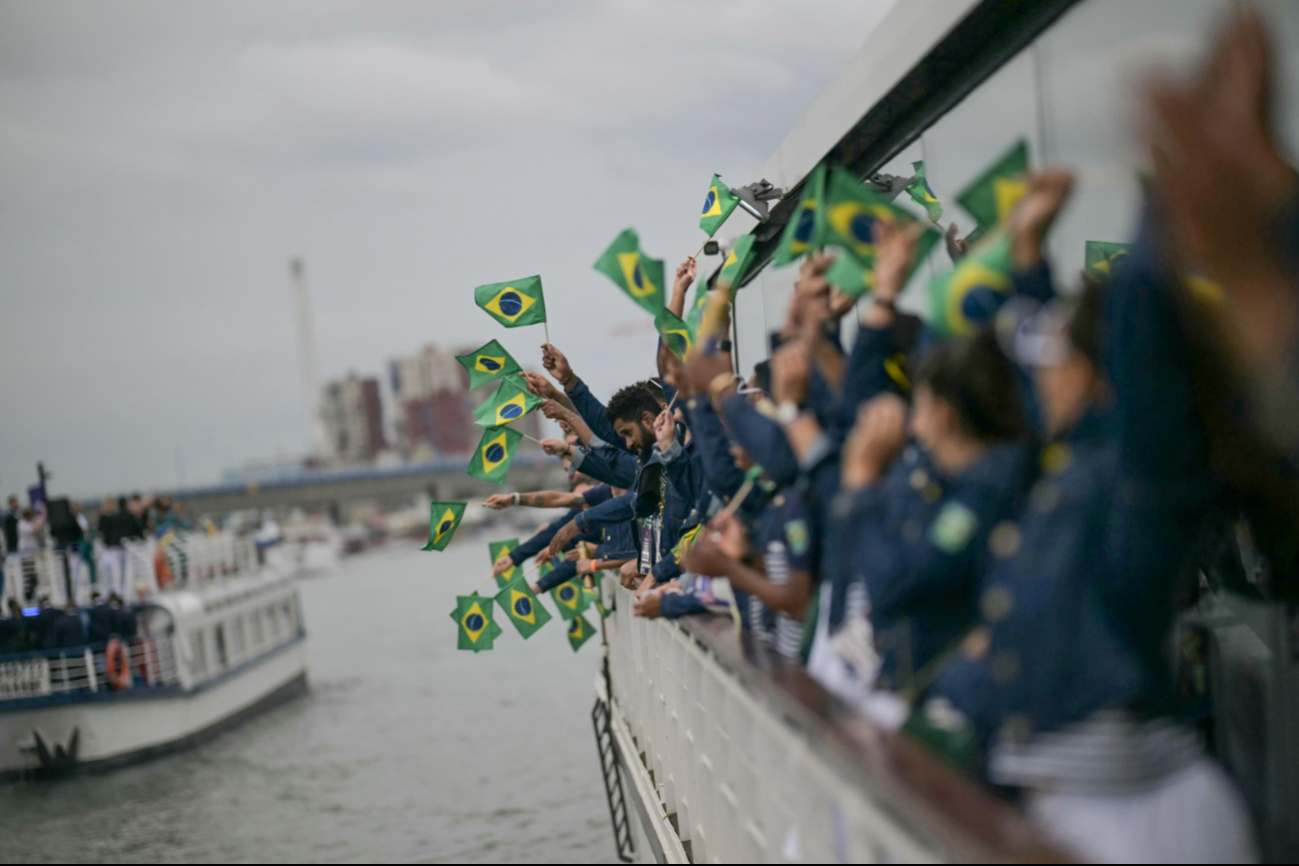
[151, 661]
[749, 760]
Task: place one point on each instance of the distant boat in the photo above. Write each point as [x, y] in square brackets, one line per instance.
[226, 640]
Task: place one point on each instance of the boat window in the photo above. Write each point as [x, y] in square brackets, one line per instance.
[239, 644]
[198, 651]
[219, 633]
[258, 633]
[272, 622]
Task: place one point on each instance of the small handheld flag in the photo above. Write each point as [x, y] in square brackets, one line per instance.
[854, 280]
[492, 458]
[1103, 257]
[579, 632]
[496, 550]
[718, 204]
[473, 614]
[922, 194]
[676, 334]
[488, 364]
[521, 607]
[546, 567]
[444, 517]
[805, 230]
[569, 598]
[992, 197]
[970, 295]
[852, 211]
[736, 261]
[632, 271]
[513, 304]
[508, 403]
[696, 310]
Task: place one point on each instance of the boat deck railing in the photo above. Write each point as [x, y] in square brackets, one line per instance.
[743, 758]
[151, 661]
[150, 566]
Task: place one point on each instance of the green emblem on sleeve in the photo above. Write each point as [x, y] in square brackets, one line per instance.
[953, 528]
[796, 537]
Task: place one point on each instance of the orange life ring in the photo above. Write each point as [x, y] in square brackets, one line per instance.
[117, 667]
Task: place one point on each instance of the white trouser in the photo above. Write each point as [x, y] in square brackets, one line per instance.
[112, 570]
[1191, 816]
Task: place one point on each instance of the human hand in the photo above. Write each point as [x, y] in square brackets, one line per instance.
[957, 247]
[500, 501]
[790, 372]
[541, 387]
[729, 534]
[501, 566]
[566, 534]
[895, 256]
[555, 448]
[879, 435]
[556, 365]
[665, 431]
[647, 606]
[703, 367]
[573, 555]
[686, 272]
[811, 274]
[556, 411]
[1048, 190]
[585, 567]
[706, 556]
[646, 585]
[629, 574]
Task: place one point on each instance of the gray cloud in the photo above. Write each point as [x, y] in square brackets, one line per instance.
[159, 164]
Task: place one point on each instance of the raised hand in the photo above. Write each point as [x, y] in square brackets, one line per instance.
[706, 556]
[1048, 190]
[790, 372]
[500, 501]
[553, 447]
[685, 274]
[878, 436]
[665, 431]
[538, 385]
[895, 255]
[557, 365]
[729, 534]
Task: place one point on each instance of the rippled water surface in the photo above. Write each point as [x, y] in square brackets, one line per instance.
[404, 750]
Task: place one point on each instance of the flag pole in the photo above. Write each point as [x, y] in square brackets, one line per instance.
[546, 325]
[701, 248]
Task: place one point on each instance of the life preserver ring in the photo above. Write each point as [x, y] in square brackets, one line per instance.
[117, 667]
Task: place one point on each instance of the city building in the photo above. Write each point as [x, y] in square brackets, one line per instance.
[352, 413]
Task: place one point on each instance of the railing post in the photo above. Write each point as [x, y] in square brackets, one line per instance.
[90, 670]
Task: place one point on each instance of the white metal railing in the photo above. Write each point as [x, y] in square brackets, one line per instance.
[150, 565]
[746, 778]
[152, 663]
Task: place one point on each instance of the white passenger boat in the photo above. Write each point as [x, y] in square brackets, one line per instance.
[222, 638]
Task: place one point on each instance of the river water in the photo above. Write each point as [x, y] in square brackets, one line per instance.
[404, 750]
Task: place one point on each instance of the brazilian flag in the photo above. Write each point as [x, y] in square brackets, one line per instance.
[805, 230]
[995, 193]
[970, 295]
[496, 550]
[508, 403]
[852, 211]
[922, 194]
[696, 310]
[513, 304]
[444, 517]
[1103, 257]
[850, 277]
[547, 567]
[675, 333]
[593, 599]
[579, 632]
[492, 458]
[632, 271]
[487, 364]
[570, 599]
[718, 204]
[736, 261]
[521, 606]
[687, 538]
[473, 614]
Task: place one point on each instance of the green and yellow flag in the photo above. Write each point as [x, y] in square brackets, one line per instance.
[569, 598]
[992, 197]
[718, 204]
[508, 403]
[473, 615]
[513, 304]
[593, 599]
[444, 517]
[632, 271]
[547, 567]
[737, 260]
[970, 295]
[696, 310]
[522, 608]
[492, 458]
[675, 333]
[805, 230]
[487, 364]
[1103, 257]
[687, 538]
[852, 211]
[579, 632]
[496, 550]
[922, 194]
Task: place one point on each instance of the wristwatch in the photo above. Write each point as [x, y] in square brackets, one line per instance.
[786, 412]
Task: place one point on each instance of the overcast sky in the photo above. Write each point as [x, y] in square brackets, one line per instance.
[161, 162]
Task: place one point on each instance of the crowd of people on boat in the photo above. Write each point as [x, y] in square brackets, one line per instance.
[986, 540]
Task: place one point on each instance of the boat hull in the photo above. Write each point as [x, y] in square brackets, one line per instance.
[109, 729]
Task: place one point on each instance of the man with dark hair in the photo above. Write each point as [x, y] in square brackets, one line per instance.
[631, 413]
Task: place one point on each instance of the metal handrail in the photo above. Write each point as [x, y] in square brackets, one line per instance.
[151, 660]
